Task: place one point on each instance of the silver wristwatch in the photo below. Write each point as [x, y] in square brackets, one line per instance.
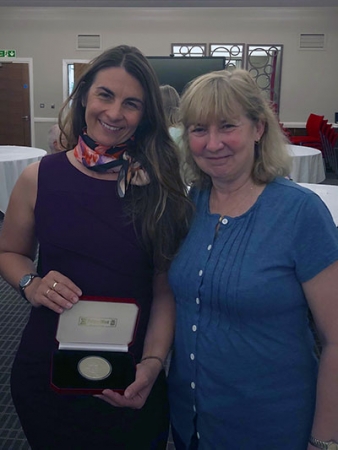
[326, 445]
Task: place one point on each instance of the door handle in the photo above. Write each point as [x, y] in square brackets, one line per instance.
[25, 118]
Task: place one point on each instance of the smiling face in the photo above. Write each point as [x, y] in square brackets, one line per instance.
[114, 106]
[225, 151]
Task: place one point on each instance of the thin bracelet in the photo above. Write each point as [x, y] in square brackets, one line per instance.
[154, 357]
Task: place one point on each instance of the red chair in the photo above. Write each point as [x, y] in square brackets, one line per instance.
[312, 137]
[324, 122]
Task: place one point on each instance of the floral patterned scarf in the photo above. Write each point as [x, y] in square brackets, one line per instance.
[100, 158]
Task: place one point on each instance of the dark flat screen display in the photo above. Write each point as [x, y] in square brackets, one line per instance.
[178, 71]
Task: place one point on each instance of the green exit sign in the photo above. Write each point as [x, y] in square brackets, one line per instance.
[7, 53]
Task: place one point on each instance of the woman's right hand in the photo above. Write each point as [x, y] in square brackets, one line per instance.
[54, 291]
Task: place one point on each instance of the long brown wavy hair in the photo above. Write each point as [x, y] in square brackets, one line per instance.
[161, 208]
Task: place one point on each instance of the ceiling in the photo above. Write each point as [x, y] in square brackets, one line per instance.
[169, 3]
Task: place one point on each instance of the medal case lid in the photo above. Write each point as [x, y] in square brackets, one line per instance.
[98, 323]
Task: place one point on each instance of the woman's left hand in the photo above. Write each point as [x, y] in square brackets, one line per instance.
[137, 393]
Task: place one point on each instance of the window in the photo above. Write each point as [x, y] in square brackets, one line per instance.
[234, 54]
[264, 62]
[189, 50]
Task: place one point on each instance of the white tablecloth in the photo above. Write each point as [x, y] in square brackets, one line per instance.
[329, 194]
[13, 160]
[307, 164]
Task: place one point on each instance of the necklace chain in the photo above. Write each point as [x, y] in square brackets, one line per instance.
[236, 206]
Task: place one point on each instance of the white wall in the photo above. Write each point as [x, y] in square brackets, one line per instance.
[48, 35]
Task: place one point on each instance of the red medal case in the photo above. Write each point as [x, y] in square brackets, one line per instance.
[93, 346]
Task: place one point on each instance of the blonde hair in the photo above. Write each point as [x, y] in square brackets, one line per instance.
[224, 96]
[171, 104]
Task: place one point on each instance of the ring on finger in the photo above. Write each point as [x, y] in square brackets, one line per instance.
[47, 292]
[54, 285]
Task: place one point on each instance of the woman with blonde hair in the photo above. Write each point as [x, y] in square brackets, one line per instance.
[260, 252]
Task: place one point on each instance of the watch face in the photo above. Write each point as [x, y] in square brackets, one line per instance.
[25, 280]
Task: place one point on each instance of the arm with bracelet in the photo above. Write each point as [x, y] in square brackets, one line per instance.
[157, 344]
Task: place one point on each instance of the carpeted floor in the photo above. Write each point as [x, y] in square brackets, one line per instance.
[13, 316]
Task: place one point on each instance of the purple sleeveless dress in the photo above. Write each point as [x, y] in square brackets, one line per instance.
[83, 232]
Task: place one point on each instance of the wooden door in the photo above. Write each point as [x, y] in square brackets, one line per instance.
[15, 121]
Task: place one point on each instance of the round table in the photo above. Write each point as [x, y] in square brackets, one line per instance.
[307, 164]
[329, 194]
[13, 160]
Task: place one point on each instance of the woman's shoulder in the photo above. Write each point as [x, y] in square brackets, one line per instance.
[290, 188]
[28, 177]
[53, 161]
[24, 191]
[291, 196]
[30, 172]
